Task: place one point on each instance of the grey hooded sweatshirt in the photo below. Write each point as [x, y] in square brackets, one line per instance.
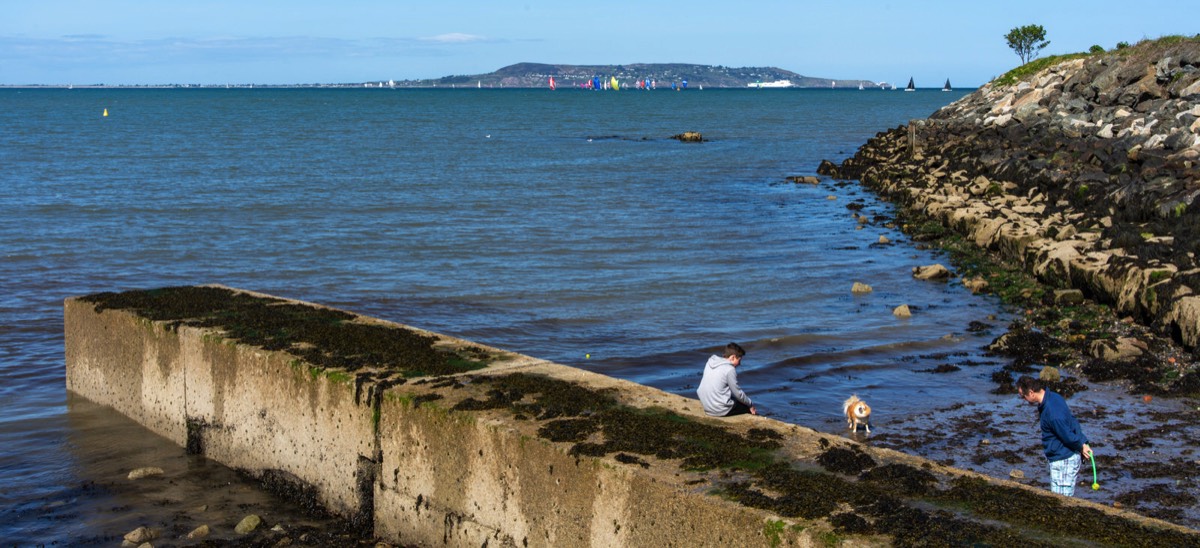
[719, 387]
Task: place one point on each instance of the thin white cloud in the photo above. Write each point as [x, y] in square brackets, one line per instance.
[85, 49]
[455, 38]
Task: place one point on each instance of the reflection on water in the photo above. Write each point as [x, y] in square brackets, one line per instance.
[85, 496]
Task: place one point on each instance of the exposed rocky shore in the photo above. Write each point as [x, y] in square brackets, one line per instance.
[1084, 174]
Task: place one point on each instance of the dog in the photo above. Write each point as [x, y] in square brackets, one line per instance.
[857, 412]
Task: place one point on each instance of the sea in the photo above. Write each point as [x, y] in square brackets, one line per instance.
[567, 225]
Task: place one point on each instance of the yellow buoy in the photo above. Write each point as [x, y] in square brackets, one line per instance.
[106, 112]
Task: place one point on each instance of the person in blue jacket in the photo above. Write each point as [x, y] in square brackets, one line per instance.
[1062, 438]
[719, 392]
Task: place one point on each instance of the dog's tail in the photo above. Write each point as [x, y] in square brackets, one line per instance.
[846, 405]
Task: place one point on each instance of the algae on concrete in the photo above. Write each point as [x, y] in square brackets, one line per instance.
[323, 337]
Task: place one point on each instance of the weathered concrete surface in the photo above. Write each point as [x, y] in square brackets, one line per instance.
[258, 411]
[128, 363]
[403, 457]
[476, 479]
[451, 478]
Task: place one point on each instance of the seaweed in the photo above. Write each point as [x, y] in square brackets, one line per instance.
[323, 337]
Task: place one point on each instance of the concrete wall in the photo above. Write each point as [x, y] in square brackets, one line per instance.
[394, 456]
[419, 474]
[259, 411]
[477, 479]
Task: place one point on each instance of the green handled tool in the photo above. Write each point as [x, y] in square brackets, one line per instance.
[1095, 484]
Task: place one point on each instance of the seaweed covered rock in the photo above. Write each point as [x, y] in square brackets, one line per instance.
[1083, 169]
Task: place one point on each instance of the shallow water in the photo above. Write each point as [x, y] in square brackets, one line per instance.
[563, 225]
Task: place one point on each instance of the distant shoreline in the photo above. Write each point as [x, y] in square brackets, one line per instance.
[399, 87]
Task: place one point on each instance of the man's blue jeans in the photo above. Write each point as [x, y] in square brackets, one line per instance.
[1063, 474]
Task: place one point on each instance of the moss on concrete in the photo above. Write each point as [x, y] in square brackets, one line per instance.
[912, 505]
[325, 338]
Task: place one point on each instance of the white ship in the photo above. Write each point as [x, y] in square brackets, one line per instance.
[775, 84]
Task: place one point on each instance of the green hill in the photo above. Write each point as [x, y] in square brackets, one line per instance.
[535, 75]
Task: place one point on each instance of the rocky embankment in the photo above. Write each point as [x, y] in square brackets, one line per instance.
[1084, 173]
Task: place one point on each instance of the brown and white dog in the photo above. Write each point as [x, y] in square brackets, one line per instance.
[857, 412]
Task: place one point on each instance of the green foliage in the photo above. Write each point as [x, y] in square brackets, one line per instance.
[1096, 48]
[830, 538]
[1015, 75]
[1026, 41]
[773, 530]
[1122, 45]
[1159, 275]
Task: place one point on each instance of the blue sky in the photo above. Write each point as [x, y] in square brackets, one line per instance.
[321, 41]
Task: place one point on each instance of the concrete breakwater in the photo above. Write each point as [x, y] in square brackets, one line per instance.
[422, 439]
[1085, 172]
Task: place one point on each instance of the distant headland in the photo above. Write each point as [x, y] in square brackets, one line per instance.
[534, 75]
[538, 75]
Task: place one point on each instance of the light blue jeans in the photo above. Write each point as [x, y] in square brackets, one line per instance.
[1063, 474]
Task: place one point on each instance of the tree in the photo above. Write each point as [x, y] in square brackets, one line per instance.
[1027, 41]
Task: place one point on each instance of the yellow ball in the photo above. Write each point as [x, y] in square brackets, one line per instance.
[1095, 486]
[587, 356]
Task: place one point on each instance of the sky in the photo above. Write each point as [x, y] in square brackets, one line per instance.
[146, 42]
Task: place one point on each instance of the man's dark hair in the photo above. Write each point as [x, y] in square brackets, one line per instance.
[732, 349]
[1027, 384]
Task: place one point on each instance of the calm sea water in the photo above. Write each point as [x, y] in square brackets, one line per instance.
[557, 224]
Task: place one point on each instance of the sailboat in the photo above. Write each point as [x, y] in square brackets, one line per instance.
[860, 86]
[614, 84]
[947, 86]
[910, 86]
[552, 86]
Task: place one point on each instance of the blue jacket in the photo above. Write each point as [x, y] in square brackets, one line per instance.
[1061, 434]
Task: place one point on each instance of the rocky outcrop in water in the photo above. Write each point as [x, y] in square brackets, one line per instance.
[1086, 172]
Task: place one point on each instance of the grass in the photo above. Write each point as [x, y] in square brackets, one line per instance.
[1037, 65]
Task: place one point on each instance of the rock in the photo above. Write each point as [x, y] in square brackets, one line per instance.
[859, 288]
[884, 240]
[1067, 296]
[199, 532]
[902, 311]
[689, 137]
[829, 169]
[804, 179]
[976, 285]
[931, 272]
[1063, 173]
[1049, 374]
[1016, 474]
[145, 472]
[1124, 349]
[140, 535]
[248, 524]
